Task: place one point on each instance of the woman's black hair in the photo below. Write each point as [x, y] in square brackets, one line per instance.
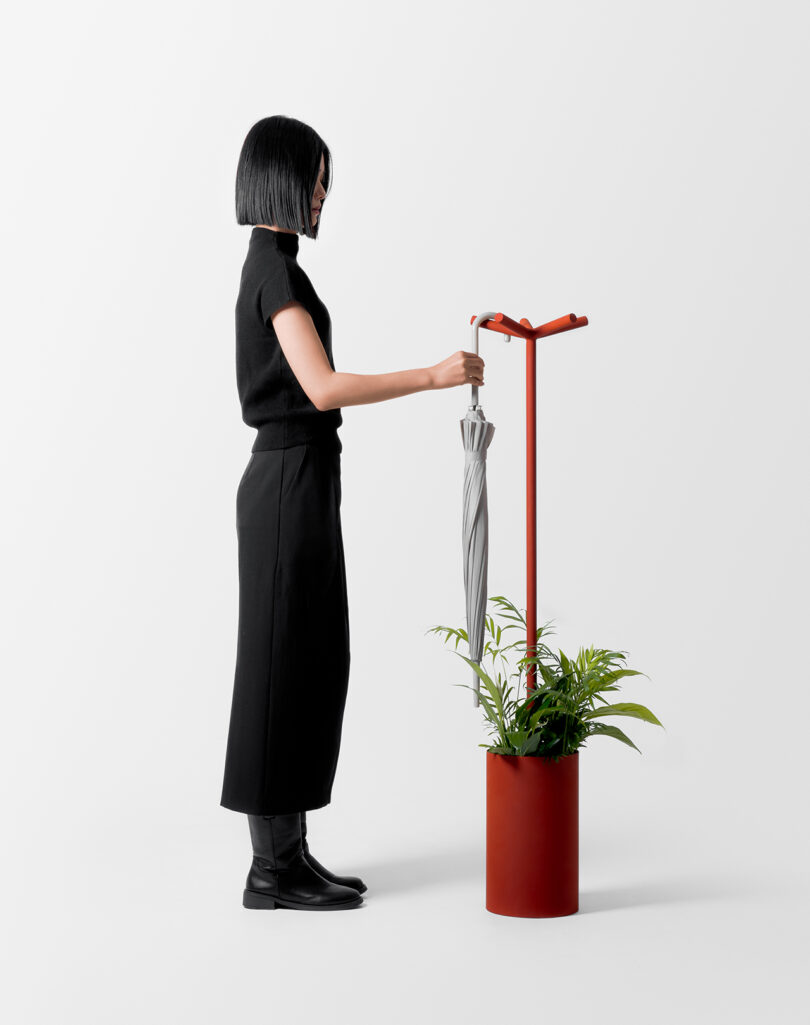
[277, 174]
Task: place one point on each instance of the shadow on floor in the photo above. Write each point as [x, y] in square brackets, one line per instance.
[422, 872]
[668, 891]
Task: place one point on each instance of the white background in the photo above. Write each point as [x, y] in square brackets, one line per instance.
[645, 165]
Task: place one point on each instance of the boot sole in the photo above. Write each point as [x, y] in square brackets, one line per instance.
[265, 902]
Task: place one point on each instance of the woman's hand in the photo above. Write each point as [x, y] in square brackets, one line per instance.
[460, 368]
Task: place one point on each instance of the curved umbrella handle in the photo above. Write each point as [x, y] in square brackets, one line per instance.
[478, 320]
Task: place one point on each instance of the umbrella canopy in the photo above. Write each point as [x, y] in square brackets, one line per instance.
[476, 434]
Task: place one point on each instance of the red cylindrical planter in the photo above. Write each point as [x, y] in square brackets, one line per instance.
[532, 862]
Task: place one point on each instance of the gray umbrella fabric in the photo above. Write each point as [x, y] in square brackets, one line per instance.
[476, 434]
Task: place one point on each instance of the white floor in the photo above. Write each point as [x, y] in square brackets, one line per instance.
[141, 921]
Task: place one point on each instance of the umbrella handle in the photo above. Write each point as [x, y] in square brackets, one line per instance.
[479, 320]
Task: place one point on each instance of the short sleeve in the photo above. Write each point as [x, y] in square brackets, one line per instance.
[278, 288]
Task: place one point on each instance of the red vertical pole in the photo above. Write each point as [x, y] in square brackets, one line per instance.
[531, 507]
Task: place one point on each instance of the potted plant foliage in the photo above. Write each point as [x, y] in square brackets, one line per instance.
[532, 832]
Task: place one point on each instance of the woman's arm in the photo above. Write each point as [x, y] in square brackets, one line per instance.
[330, 389]
[356, 389]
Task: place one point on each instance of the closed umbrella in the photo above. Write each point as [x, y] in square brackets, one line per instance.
[476, 434]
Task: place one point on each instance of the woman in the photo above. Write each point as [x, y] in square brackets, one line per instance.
[292, 660]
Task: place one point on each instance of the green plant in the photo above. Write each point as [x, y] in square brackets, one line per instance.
[562, 711]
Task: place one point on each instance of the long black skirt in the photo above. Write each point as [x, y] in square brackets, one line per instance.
[292, 659]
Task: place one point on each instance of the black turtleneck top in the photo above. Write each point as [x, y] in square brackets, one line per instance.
[272, 399]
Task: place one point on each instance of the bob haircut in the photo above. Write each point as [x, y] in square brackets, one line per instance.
[277, 174]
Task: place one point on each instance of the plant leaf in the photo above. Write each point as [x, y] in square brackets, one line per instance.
[532, 744]
[623, 708]
[604, 729]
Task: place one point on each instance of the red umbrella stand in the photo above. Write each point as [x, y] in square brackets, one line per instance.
[532, 862]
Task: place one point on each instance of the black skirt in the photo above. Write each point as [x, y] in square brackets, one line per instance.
[292, 659]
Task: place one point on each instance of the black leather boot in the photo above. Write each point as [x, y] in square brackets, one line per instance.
[354, 881]
[280, 875]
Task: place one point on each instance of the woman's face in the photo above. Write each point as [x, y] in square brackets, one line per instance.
[318, 195]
